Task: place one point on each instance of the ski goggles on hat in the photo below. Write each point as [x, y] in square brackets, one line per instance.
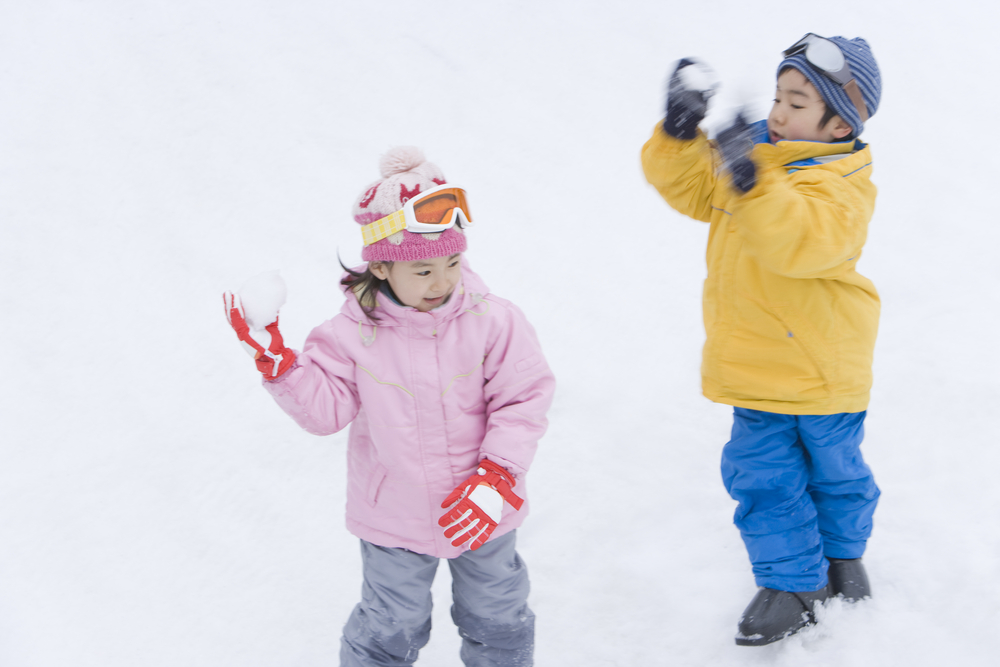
[429, 212]
[826, 58]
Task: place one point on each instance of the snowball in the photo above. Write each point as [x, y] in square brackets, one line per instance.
[262, 297]
[699, 76]
[400, 159]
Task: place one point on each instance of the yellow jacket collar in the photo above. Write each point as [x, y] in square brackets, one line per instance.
[785, 152]
[848, 155]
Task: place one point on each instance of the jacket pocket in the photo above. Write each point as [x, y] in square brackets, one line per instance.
[811, 342]
[771, 353]
[375, 484]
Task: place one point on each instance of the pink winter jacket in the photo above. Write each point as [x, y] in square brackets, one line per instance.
[428, 395]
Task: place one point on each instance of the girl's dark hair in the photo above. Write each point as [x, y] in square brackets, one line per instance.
[365, 286]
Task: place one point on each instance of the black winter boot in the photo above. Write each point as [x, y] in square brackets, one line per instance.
[773, 615]
[848, 578]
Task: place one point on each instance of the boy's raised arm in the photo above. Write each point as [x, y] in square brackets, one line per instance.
[682, 172]
[677, 160]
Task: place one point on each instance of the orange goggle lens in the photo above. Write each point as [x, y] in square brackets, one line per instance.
[439, 208]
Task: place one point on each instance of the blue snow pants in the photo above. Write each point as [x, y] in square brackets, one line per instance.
[393, 620]
[804, 493]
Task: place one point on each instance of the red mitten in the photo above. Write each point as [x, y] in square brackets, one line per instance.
[265, 345]
[479, 505]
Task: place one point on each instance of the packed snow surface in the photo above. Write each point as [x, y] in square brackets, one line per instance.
[158, 510]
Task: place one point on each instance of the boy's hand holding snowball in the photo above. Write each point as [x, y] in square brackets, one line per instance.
[479, 506]
[691, 86]
[253, 313]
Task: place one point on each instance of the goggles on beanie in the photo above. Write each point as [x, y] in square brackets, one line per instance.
[826, 58]
[429, 212]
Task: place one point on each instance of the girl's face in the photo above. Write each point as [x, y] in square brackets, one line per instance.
[424, 284]
[798, 109]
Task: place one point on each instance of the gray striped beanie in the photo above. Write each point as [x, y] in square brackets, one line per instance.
[863, 66]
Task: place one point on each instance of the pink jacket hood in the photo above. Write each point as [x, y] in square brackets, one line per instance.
[427, 396]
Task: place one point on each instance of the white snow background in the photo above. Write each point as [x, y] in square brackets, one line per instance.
[157, 509]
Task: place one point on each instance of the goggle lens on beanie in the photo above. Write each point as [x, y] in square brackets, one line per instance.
[827, 58]
[429, 212]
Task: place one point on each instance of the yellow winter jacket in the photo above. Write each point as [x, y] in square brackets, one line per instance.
[790, 322]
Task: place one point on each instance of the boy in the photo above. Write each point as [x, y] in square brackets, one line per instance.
[790, 323]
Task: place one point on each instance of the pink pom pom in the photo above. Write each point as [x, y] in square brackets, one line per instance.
[400, 159]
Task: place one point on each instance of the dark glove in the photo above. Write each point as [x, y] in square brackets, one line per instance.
[735, 143]
[688, 93]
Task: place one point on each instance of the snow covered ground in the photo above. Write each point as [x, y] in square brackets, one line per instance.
[157, 509]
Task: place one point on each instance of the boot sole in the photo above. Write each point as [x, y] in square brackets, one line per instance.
[761, 640]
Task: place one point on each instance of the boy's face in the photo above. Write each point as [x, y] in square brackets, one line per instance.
[424, 284]
[798, 109]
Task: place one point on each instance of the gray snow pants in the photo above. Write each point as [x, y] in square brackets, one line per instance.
[393, 620]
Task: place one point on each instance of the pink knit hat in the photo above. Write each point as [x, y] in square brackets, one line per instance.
[405, 173]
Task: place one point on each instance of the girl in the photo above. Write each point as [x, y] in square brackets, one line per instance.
[446, 390]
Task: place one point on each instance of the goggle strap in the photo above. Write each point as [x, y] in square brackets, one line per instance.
[852, 90]
[396, 222]
[383, 227]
